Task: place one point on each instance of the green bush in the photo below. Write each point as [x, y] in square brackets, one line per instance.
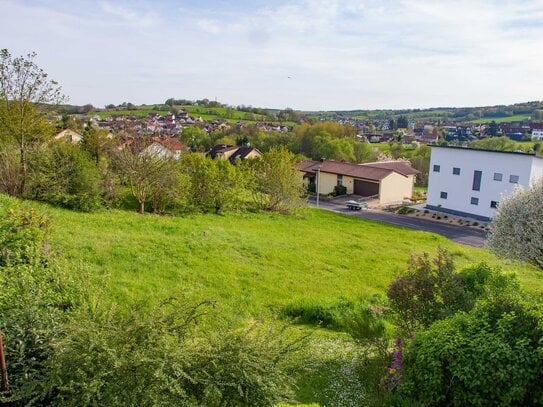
[326, 314]
[340, 190]
[65, 175]
[489, 356]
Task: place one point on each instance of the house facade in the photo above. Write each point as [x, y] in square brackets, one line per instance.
[389, 182]
[471, 182]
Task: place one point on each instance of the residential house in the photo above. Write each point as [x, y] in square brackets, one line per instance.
[470, 182]
[165, 148]
[233, 153]
[69, 135]
[388, 181]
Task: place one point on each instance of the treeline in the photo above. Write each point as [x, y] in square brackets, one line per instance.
[69, 345]
[95, 173]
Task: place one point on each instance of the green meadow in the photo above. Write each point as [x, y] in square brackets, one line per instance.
[255, 266]
[251, 263]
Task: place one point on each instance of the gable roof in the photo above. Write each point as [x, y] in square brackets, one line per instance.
[400, 167]
[371, 171]
[243, 152]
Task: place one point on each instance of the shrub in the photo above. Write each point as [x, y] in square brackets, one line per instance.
[404, 210]
[489, 356]
[340, 190]
[65, 175]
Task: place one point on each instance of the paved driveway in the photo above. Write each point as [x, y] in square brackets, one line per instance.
[464, 235]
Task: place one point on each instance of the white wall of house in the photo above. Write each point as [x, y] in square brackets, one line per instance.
[328, 182]
[395, 188]
[455, 192]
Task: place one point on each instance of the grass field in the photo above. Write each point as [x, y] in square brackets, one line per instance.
[515, 118]
[254, 265]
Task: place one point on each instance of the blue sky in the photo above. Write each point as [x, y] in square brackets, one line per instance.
[312, 55]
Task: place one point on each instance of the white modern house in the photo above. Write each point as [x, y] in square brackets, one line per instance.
[537, 135]
[470, 182]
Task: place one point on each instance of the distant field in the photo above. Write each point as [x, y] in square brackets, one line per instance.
[137, 113]
[515, 118]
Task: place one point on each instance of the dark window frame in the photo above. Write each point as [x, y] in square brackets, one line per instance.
[512, 177]
[443, 195]
[456, 171]
[437, 168]
[498, 176]
[477, 177]
[474, 200]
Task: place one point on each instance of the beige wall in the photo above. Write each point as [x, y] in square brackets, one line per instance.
[329, 181]
[395, 187]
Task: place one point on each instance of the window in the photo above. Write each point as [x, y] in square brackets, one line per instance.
[437, 168]
[339, 180]
[477, 175]
[493, 204]
[474, 201]
[513, 179]
[443, 195]
[498, 176]
[456, 171]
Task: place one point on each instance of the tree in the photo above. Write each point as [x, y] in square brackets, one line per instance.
[278, 185]
[517, 229]
[143, 173]
[216, 185]
[24, 89]
[196, 139]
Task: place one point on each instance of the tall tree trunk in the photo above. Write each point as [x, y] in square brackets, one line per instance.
[24, 172]
[142, 207]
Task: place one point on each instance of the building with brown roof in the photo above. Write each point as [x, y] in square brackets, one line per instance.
[389, 181]
[233, 153]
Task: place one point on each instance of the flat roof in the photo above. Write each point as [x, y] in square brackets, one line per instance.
[487, 150]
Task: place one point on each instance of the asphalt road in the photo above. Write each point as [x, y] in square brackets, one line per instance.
[464, 235]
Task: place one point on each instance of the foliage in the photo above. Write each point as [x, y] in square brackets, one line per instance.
[196, 139]
[64, 175]
[23, 87]
[277, 184]
[340, 190]
[98, 143]
[516, 231]
[34, 297]
[494, 143]
[489, 356]
[430, 290]
[216, 185]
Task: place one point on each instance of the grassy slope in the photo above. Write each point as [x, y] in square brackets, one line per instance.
[250, 263]
[508, 119]
[253, 264]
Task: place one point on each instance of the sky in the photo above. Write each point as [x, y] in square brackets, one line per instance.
[304, 54]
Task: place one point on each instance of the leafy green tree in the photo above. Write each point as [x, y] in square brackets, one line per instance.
[516, 231]
[98, 143]
[216, 185]
[24, 88]
[277, 184]
[196, 139]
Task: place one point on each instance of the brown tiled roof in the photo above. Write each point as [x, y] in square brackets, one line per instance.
[400, 167]
[371, 171]
[352, 170]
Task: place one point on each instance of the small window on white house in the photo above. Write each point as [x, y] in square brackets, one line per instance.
[339, 180]
[437, 168]
[513, 179]
[474, 201]
[493, 204]
[498, 176]
[456, 171]
[443, 195]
